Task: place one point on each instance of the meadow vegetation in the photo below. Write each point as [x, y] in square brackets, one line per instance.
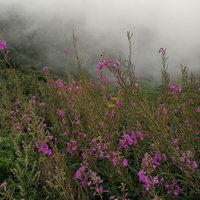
[70, 138]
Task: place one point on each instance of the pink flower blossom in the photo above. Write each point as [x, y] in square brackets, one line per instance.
[173, 158]
[104, 62]
[100, 65]
[2, 44]
[106, 79]
[60, 112]
[176, 192]
[36, 144]
[45, 69]
[125, 163]
[66, 50]
[179, 88]
[175, 141]
[182, 159]
[93, 140]
[78, 173]
[69, 89]
[188, 161]
[136, 85]
[155, 180]
[117, 63]
[98, 73]
[164, 111]
[160, 50]
[74, 148]
[115, 66]
[114, 160]
[194, 165]
[172, 86]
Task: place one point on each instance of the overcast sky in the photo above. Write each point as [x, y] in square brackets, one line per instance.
[171, 24]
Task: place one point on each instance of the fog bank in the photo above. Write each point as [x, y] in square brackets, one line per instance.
[102, 25]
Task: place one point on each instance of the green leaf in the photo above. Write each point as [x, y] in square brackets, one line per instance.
[181, 181]
[133, 169]
[191, 194]
[10, 154]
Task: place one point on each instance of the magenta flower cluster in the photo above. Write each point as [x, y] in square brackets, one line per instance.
[129, 140]
[108, 64]
[2, 44]
[146, 180]
[17, 103]
[149, 164]
[106, 79]
[174, 89]
[185, 158]
[14, 112]
[172, 187]
[71, 147]
[45, 69]
[66, 50]
[60, 112]
[136, 85]
[25, 118]
[44, 147]
[89, 179]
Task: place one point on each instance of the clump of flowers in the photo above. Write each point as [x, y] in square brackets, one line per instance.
[44, 147]
[3, 44]
[66, 50]
[45, 69]
[149, 164]
[174, 89]
[87, 178]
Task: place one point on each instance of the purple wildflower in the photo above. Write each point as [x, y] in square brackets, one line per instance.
[100, 65]
[2, 44]
[125, 163]
[160, 50]
[66, 50]
[45, 69]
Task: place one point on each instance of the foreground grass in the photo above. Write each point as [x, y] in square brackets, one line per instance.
[75, 139]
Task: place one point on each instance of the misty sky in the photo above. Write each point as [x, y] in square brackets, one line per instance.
[171, 24]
